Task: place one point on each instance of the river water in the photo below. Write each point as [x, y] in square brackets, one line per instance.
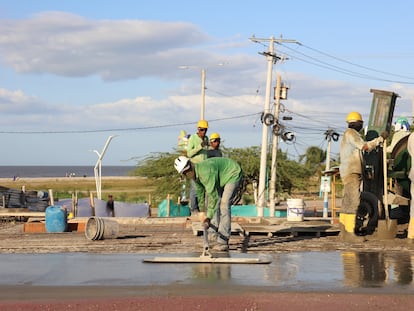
[302, 271]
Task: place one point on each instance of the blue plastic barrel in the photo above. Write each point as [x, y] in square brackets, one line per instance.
[56, 219]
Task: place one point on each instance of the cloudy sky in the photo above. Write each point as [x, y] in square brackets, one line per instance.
[72, 73]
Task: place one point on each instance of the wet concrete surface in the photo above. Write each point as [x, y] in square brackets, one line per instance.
[58, 267]
[336, 271]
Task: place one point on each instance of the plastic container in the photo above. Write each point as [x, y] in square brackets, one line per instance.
[56, 219]
[295, 209]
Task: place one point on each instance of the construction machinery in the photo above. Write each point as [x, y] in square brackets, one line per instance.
[386, 188]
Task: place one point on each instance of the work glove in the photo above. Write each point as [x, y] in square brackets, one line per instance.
[384, 135]
[206, 222]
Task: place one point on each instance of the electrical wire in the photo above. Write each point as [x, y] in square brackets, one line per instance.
[126, 129]
[357, 65]
[317, 62]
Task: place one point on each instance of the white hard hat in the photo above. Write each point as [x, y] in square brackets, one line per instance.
[181, 164]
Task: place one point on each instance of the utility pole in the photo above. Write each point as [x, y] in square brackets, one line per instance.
[271, 59]
[329, 135]
[203, 93]
[275, 141]
[203, 87]
[327, 167]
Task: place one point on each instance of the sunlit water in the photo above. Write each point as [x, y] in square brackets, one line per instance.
[305, 271]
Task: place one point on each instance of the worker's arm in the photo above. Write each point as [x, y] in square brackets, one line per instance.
[372, 144]
[194, 146]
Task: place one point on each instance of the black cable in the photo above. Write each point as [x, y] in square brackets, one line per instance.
[124, 129]
[332, 67]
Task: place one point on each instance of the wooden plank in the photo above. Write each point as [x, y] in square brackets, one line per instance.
[205, 259]
[40, 227]
[34, 227]
[291, 227]
[198, 228]
[22, 214]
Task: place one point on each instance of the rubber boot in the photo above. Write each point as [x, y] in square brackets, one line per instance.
[410, 234]
[347, 226]
[347, 221]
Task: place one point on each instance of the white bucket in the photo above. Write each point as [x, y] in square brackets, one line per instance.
[295, 209]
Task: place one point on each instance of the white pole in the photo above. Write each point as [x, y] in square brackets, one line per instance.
[97, 173]
[327, 167]
[275, 140]
[203, 93]
[263, 157]
[98, 167]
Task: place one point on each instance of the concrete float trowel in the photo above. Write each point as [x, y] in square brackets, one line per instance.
[207, 257]
[387, 228]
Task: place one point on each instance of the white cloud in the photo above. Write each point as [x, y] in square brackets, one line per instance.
[145, 55]
[70, 45]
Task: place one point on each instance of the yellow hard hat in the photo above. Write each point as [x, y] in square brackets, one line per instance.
[202, 124]
[354, 117]
[214, 136]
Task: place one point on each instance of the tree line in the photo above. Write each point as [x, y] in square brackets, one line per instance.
[292, 177]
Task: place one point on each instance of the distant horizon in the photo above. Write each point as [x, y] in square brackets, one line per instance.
[19, 171]
[85, 165]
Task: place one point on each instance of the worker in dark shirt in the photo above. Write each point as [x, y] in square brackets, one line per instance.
[110, 210]
[214, 149]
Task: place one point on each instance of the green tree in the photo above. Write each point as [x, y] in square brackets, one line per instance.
[249, 160]
[291, 175]
[313, 158]
[160, 166]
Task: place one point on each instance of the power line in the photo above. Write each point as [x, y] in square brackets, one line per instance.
[357, 65]
[319, 63]
[125, 129]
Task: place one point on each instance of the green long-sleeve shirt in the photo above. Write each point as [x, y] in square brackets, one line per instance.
[195, 149]
[211, 175]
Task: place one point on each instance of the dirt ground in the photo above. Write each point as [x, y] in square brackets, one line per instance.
[241, 301]
[177, 237]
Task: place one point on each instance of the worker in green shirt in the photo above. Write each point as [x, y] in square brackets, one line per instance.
[197, 151]
[217, 179]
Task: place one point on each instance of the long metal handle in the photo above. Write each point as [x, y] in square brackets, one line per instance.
[385, 181]
[206, 247]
